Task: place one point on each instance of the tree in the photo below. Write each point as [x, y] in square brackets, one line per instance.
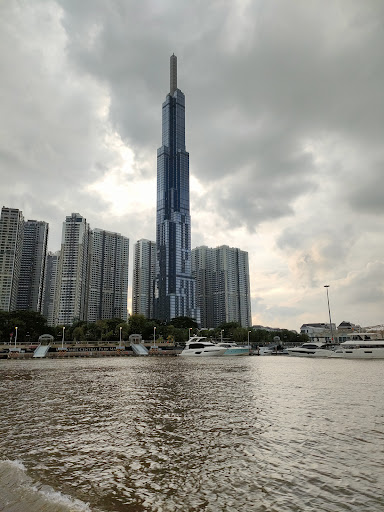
[30, 325]
[102, 329]
[137, 324]
[240, 335]
[183, 322]
[228, 328]
[78, 333]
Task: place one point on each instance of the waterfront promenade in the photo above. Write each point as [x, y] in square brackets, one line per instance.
[85, 349]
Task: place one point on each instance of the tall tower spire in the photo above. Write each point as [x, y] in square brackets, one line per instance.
[173, 74]
[174, 285]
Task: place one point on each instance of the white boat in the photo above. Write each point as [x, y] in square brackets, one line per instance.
[264, 351]
[312, 349]
[232, 349]
[364, 345]
[271, 350]
[199, 346]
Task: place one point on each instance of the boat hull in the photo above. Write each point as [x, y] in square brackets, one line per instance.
[237, 351]
[202, 353]
[308, 353]
[359, 353]
[312, 349]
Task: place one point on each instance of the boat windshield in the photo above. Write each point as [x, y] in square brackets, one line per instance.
[199, 345]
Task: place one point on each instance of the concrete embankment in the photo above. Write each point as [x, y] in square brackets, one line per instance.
[93, 350]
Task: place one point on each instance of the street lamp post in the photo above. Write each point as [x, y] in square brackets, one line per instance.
[16, 336]
[221, 334]
[62, 339]
[120, 334]
[154, 336]
[329, 311]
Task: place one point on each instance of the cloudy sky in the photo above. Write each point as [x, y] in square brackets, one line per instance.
[284, 124]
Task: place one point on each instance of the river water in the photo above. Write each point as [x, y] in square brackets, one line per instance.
[269, 434]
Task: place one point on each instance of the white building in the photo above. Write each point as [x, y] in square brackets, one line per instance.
[71, 298]
[222, 285]
[11, 242]
[144, 274]
[320, 331]
[108, 277]
[32, 271]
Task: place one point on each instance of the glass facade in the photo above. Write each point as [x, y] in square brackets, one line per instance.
[144, 276]
[175, 287]
[11, 244]
[32, 269]
[222, 285]
[108, 276]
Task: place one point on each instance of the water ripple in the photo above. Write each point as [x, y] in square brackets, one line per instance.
[252, 434]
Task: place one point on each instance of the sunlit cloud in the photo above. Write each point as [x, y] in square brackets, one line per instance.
[284, 129]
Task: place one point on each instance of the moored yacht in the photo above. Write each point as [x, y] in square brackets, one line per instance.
[312, 349]
[199, 346]
[361, 346]
[272, 350]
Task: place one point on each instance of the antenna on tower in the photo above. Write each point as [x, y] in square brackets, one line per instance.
[173, 74]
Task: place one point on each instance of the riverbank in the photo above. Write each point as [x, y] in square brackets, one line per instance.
[80, 349]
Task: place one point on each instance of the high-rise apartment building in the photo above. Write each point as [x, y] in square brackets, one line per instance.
[175, 287]
[222, 285]
[144, 272]
[203, 270]
[11, 243]
[32, 271]
[48, 302]
[71, 298]
[108, 276]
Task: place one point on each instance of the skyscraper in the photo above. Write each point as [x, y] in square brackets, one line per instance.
[71, 299]
[144, 272]
[108, 276]
[222, 285]
[31, 281]
[11, 243]
[175, 287]
[48, 302]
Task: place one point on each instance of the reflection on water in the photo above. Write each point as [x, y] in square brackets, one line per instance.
[222, 434]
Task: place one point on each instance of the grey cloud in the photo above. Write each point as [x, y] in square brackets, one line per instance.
[52, 133]
[366, 189]
[257, 84]
[365, 286]
[262, 79]
[274, 314]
